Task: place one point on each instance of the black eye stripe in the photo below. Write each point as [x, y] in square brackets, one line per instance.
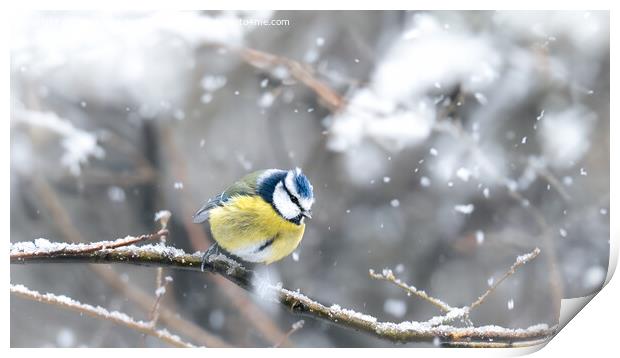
[293, 198]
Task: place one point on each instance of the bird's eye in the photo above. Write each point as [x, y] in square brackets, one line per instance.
[294, 200]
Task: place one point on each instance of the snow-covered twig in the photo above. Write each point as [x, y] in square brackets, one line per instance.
[387, 275]
[163, 216]
[100, 312]
[166, 256]
[453, 313]
[159, 294]
[294, 328]
[411, 331]
[43, 247]
[489, 168]
[520, 261]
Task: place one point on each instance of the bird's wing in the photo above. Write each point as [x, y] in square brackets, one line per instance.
[203, 213]
[244, 186]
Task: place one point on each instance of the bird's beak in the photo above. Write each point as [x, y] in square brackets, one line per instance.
[307, 214]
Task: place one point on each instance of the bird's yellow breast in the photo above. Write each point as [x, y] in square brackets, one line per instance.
[245, 224]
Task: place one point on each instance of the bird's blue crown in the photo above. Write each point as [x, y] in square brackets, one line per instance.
[303, 185]
[269, 180]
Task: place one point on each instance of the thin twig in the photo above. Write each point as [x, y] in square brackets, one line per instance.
[454, 313]
[160, 291]
[159, 294]
[100, 312]
[163, 217]
[387, 275]
[165, 256]
[294, 328]
[521, 260]
[555, 280]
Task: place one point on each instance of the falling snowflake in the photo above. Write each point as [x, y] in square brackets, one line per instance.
[486, 193]
[463, 174]
[465, 208]
[479, 237]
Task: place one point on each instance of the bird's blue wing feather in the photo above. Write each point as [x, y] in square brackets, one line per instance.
[203, 213]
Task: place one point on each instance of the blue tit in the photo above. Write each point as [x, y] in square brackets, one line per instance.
[260, 218]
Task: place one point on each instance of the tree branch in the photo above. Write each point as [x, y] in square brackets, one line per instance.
[100, 312]
[62, 221]
[453, 313]
[60, 248]
[166, 256]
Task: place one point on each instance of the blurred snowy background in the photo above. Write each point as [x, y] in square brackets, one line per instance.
[458, 141]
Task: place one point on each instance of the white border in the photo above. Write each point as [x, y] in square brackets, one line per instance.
[590, 331]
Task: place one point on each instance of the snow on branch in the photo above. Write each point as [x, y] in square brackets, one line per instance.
[411, 290]
[43, 247]
[100, 312]
[453, 313]
[435, 330]
[520, 261]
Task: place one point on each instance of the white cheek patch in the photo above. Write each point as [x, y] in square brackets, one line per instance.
[283, 203]
[306, 203]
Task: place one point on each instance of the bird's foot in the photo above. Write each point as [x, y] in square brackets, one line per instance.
[214, 250]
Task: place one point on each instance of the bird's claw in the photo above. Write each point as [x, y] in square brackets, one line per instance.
[213, 250]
